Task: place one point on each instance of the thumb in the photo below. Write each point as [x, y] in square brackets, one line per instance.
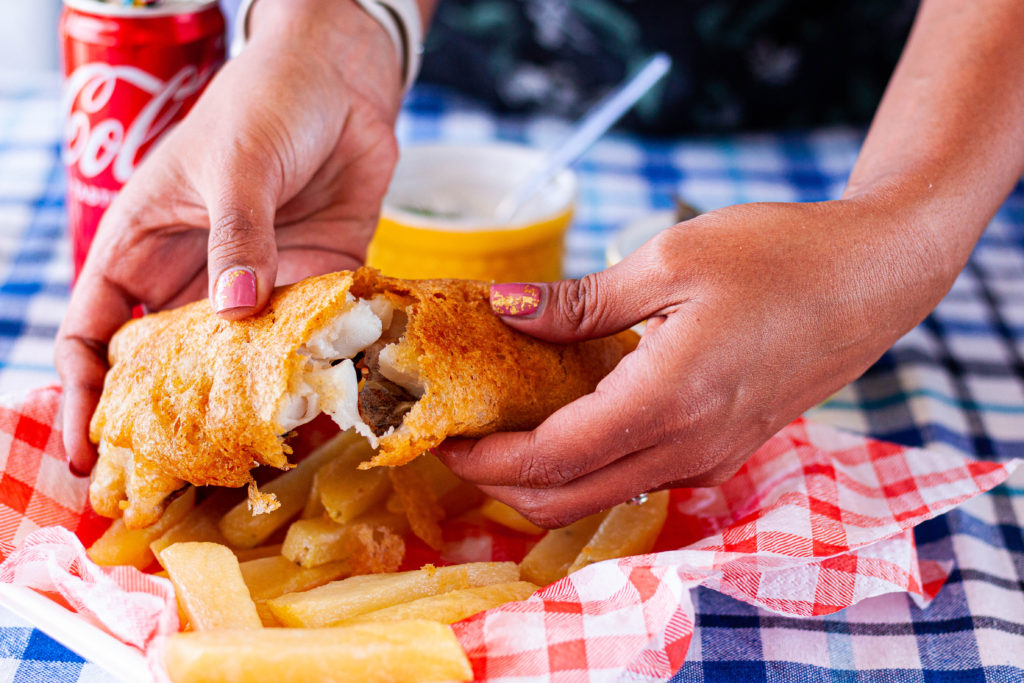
[596, 305]
[242, 249]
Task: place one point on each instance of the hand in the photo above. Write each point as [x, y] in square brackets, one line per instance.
[755, 313]
[276, 174]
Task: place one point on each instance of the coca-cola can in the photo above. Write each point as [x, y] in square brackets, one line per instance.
[131, 73]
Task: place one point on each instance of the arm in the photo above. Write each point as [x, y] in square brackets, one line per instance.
[947, 142]
[276, 174]
[758, 312]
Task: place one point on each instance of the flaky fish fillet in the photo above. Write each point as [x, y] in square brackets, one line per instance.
[191, 398]
[473, 375]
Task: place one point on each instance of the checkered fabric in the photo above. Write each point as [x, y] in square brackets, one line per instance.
[955, 384]
[815, 521]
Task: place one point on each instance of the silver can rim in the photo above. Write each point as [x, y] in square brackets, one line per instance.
[109, 9]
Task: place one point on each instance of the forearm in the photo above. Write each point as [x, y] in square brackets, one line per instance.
[947, 142]
[329, 13]
[338, 32]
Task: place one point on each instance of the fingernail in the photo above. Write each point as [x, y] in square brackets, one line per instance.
[515, 299]
[236, 288]
[77, 472]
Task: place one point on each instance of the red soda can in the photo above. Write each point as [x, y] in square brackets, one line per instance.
[130, 74]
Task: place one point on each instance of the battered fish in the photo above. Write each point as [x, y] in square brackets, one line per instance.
[191, 398]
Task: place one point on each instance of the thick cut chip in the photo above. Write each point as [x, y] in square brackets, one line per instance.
[201, 524]
[313, 508]
[247, 554]
[628, 529]
[317, 541]
[435, 474]
[550, 559]
[209, 586]
[448, 608]
[269, 577]
[394, 652]
[347, 491]
[244, 529]
[425, 490]
[394, 504]
[121, 545]
[502, 514]
[358, 595]
[419, 504]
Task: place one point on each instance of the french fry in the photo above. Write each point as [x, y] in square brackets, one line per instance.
[393, 503]
[346, 491]
[182, 618]
[267, 618]
[393, 652]
[248, 554]
[209, 586]
[550, 559]
[348, 598]
[502, 514]
[448, 608]
[314, 508]
[201, 523]
[121, 545]
[626, 530]
[269, 577]
[317, 541]
[420, 485]
[438, 478]
[242, 529]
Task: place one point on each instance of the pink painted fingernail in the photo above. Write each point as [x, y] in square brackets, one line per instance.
[517, 299]
[77, 472]
[236, 288]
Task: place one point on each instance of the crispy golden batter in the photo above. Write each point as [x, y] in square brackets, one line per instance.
[194, 397]
[481, 376]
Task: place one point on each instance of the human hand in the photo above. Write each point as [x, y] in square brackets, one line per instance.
[755, 313]
[276, 174]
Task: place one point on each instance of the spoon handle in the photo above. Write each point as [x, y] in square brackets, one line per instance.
[596, 122]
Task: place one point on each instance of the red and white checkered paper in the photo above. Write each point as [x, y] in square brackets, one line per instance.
[816, 521]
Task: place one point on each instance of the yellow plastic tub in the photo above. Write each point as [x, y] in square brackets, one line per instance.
[436, 217]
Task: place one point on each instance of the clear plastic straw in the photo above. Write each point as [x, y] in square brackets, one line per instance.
[597, 121]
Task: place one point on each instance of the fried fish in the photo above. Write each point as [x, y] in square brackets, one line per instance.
[192, 398]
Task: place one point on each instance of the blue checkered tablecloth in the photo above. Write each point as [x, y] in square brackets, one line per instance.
[954, 382]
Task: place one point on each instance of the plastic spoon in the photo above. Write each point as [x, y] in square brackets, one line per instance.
[595, 124]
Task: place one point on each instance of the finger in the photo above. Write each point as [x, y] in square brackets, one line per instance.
[596, 305]
[242, 252]
[619, 482]
[97, 309]
[653, 469]
[666, 466]
[297, 263]
[630, 410]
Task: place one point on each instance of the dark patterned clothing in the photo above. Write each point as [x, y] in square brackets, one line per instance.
[739, 64]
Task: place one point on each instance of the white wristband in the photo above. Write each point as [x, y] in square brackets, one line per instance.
[399, 18]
